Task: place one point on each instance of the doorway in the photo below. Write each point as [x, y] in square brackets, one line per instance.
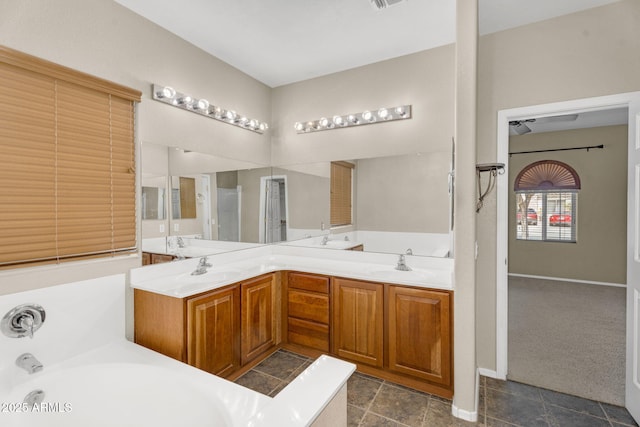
[632, 102]
[274, 209]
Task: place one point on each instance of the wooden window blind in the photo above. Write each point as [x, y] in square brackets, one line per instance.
[67, 181]
[341, 193]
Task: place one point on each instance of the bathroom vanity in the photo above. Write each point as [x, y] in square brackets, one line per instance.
[400, 333]
[391, 324]
[218, 331]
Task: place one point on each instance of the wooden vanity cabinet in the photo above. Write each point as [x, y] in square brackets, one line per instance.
[358, 319]
[213, 331]
[419, 333]
[258, 326]
[154, 258]
[221, 331]
[307, 310]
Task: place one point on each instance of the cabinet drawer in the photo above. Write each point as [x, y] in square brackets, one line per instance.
[308, 282]
[308, 306]
[309, 334]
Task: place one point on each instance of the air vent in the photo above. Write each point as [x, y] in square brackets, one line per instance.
[381, 4]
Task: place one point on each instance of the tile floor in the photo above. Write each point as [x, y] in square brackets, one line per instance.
[376, 402]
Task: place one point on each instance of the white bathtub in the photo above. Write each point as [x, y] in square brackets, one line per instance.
[115, 394]
[93, 376]
[123, 384]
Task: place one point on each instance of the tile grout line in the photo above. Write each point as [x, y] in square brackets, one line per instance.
[546, 413]
[371, 403]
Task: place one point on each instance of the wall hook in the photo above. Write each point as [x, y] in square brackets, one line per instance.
[494, 169]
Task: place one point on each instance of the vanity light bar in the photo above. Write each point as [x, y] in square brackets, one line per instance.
[365, 118]
[183, 101]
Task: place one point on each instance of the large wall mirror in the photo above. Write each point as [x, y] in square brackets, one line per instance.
[397, 204]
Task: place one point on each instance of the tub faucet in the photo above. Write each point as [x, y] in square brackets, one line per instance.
[180, 242]
[402, 266]
[202, 267]
[29, 363]
[325, 239]
[22, 321]
[409, 251]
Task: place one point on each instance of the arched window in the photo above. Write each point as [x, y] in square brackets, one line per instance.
[547, 196]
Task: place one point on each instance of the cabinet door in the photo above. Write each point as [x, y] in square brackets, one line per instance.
[419, 333]
[160, 258]
[257, 317]
[357, 321]
[213, 331]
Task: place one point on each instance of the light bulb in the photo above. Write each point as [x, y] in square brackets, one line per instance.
[338, 120]
[383, 113]
[400, 111]
[230, 115]
[298, 126]
[353, 119]
[166, 92]
[201, 104]
[243, 120]
[323, 122]
[368, 116]
[185, 100]
[252, 124]
[263, 126]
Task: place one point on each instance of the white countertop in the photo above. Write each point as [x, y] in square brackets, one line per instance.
[175, 279]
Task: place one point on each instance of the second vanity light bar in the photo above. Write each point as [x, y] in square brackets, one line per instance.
[365, 118]
[168, 95]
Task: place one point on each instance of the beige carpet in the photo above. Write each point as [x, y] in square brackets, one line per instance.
[568, 337]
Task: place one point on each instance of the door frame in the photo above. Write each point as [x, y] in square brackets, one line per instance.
[630, 100]
[262, 216]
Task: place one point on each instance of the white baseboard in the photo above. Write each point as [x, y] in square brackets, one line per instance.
[471, 416]
[463, 414]
[562, 279]
[488, 373]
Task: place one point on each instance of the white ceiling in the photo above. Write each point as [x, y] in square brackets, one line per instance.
[284, 41]
[589, 119]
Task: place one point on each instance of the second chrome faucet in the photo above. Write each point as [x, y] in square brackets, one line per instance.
[203, 264]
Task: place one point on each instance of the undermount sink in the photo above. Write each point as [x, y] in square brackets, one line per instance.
[210, 276]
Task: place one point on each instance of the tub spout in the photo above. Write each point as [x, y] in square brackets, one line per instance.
[29, 363]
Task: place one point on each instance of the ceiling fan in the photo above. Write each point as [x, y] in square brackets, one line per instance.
[520, 126]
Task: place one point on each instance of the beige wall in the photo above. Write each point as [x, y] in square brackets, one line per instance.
[106, 40]
[586, 54]
[403, 193]
[424, 80]
[308, 198]
[250, 215]
[600, 251]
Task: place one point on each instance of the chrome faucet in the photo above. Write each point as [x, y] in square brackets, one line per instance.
[202, 267]
[325, 239]
[402, 266]
[29, 363]
[22, 321]
[180, 242]
[409, 251]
